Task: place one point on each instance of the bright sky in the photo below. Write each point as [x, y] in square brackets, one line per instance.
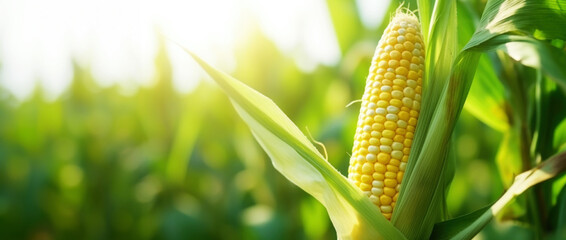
[117, 39]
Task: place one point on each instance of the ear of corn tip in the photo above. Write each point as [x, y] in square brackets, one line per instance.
[389, 113]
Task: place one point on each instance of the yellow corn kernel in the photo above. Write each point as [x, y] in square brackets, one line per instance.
[389, 113]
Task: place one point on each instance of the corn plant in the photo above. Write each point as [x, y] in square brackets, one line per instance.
[420, 77]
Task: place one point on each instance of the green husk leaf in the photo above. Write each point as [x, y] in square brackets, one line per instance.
[425, 14]
[431, 160]
[420, 201]
[466, 228]
[352, 214]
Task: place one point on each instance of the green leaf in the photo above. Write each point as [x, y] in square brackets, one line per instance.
[530, 52]
[521, 17]
[504, 22]
[561, 213]
[530, 16]
[426, 171]
[425, 14]
[509, 165]
[508, 158]
[537, 54]
[559, 141]
[447, 229]
[352, 214]
[467, 21]
[550, 122]
[466, 228]
[446, 85]
[486, 99]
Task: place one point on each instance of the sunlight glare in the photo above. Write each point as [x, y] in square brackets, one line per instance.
[302, 28]
[41, 41]
[372, 11]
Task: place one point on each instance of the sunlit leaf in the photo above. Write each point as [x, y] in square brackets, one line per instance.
[520, 16]
[536, 54]
[503, 21]
[352, 214]
[464, 228]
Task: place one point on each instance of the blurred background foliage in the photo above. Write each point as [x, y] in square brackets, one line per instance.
[96, 163]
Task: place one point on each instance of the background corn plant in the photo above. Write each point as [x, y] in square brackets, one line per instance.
[97, 164]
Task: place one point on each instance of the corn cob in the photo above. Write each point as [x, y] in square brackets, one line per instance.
[389, 112]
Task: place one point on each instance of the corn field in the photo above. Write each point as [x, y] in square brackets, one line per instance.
[446, 121]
